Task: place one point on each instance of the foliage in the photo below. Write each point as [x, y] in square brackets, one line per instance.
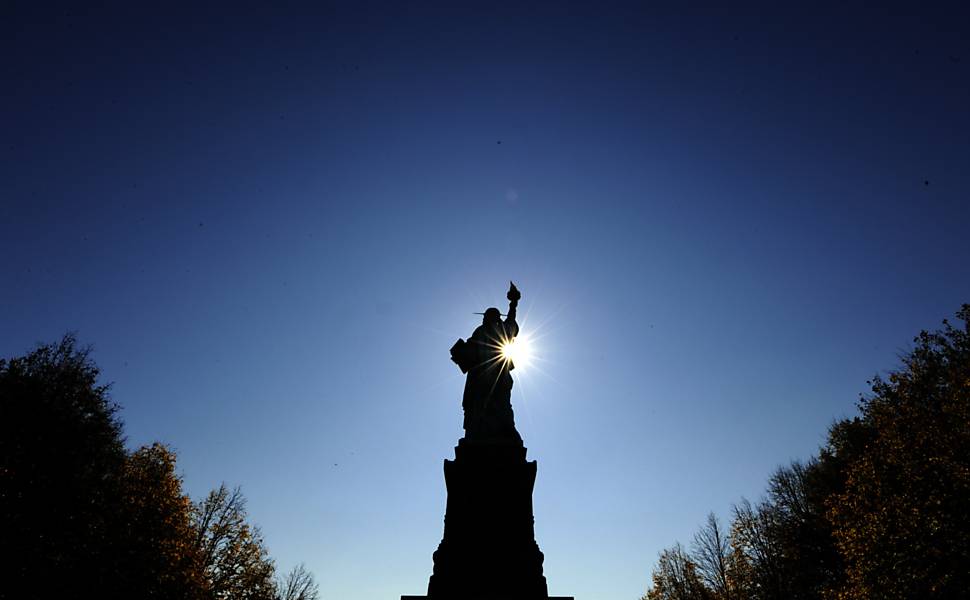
[903, 520]
[234, 560]
[82, 517]
[160, 557]
[676, 578]
[883, 511]
[61, 453]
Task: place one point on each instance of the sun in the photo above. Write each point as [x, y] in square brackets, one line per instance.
[518, 350]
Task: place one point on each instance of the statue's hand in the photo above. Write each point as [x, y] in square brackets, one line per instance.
[514, 295]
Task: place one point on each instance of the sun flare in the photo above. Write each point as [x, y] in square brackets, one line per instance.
[519, 351]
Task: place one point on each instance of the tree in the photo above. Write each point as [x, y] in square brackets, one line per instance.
[82, 517]
[783, 547]
[711, 553]
[809, 560]
[755, 542]
[160, 558]
[902, 522]
[676, 578]
[298, 585]
[235, 562]
[61, 455]
[883, 511]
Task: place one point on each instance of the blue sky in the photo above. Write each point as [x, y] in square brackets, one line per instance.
[273, 224]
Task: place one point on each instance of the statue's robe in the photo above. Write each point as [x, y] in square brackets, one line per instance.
[487, 400]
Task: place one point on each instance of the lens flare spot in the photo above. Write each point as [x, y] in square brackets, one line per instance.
[519, 351]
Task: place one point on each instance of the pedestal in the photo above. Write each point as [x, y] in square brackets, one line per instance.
[488, 551]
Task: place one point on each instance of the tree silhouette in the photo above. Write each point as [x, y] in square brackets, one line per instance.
[676, 578]
[82, 517]
[61, 457]
[903, 520]
[883, 511]
[298, 585]
[159, 557]
[235, 562]
[711, 552]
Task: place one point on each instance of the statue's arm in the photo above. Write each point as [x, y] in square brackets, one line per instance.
[511, 327]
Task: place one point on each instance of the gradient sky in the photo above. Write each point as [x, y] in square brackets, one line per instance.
[272, 224]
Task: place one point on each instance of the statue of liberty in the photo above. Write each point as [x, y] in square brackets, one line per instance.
[487, 400]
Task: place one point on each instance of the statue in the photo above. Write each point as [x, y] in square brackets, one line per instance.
[488, 549]
[487, 400]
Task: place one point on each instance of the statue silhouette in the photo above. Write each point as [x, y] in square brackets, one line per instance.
[488, 550]
[487, 400]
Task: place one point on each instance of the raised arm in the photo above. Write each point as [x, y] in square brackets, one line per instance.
[511, 327]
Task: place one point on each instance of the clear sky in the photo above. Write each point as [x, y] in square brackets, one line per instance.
[272, 224]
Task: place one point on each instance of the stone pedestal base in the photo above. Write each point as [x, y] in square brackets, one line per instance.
[494, 598]
[488, 551]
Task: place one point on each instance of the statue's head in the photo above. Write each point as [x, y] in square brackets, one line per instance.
[492, 317]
